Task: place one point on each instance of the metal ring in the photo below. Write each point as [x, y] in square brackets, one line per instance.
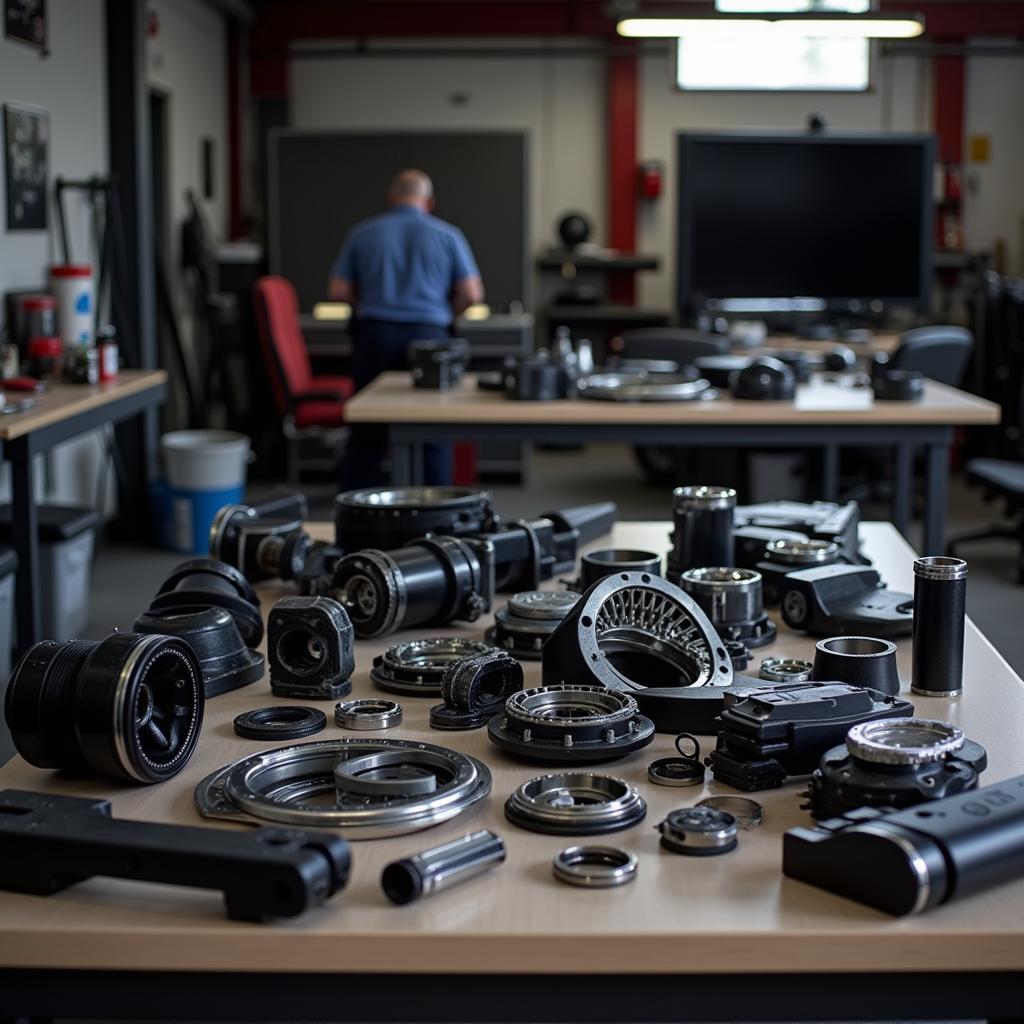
[575, 803]
[904, 741]
[595, 867]
[785, 670]
[415, 667]
[748, 813]
[699, 832]
[280, 722]
[368, 713]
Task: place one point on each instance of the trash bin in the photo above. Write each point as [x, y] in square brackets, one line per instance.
[205, 469]
[8, 564]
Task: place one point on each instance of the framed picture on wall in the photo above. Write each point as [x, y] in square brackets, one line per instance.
[25, 20]
[26, 162]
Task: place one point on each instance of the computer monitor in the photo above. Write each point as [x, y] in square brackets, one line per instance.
[810, 222]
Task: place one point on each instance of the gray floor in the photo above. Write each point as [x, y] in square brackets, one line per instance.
[125, 578]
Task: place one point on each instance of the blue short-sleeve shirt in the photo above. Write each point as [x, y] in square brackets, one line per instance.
[404, 264]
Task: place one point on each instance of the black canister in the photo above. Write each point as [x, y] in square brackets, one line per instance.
[702, 528]
[940, 608]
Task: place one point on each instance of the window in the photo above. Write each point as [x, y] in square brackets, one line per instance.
[761, 59]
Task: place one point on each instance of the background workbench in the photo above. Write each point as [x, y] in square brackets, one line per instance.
[416, 416]
[728, 935]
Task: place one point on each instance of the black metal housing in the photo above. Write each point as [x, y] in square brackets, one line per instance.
[733, 600]
[50, 842]
[264, 541]
[310, 647]
[764, 380]
[819, 520]
[523, 626]
[702, 528]
[129, 706]
[940, 610]
[858, 660]
[438, 364]
[892, 385]
[481, 681]
[595, 565]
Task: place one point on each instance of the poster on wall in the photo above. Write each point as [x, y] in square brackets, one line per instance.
[25, 20]
[26, 156]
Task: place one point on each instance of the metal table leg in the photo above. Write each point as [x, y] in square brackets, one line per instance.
[902, 487]
[401, 462]
[936, 498]
[26, 542]
[830, 472]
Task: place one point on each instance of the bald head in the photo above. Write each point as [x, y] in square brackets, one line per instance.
[413, 188]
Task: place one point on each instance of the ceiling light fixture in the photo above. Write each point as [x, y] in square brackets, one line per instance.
[871, 25]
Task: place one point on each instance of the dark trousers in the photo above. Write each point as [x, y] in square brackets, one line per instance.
[377, 347]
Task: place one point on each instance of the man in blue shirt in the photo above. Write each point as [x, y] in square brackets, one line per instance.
[407, 274]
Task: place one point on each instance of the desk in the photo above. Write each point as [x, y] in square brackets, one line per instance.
[725, 938]
[466, 413]
[61, 413]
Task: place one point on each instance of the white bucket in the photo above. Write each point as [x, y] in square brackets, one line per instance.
[205, 460]
[72, 287]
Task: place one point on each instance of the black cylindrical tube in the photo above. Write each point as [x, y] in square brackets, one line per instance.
[702, 528]
[940, 607]
[596, 565]
[442, 866]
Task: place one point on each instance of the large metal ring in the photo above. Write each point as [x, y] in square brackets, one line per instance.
[415, 667]
[288, 786]
[575, 803]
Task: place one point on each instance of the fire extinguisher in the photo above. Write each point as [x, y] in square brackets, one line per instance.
[651, 175]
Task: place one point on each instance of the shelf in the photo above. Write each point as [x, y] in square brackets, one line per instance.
[556, 259]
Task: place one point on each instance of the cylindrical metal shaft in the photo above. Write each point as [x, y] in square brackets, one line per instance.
[940, 608]
[702, 528]
[442, 866]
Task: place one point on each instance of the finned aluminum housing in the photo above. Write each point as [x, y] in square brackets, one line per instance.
[370, 788]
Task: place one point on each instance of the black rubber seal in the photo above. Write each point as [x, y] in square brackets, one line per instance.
[282, 722]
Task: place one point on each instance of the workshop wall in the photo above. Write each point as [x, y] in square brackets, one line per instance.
[559, 101]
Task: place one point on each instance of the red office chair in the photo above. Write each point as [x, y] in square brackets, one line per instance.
[310, 407]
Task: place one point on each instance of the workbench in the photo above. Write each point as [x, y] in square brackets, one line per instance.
[62, 412]
[722, 938]
[415, 417]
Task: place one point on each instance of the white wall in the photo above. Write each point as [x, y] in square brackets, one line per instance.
[71, 85]
[994, 197]
[559, 101]
[899, 101]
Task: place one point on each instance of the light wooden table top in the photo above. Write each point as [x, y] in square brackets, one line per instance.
[391, 398]
[735, 913]
[62, 401]
[878, 342]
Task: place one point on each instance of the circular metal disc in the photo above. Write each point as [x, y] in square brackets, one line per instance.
[903, 741]
[542, 604]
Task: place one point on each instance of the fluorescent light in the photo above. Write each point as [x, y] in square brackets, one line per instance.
[801, 6]
[332, 311]
[825, 24]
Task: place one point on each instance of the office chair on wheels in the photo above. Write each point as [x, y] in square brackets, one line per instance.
[939, 351]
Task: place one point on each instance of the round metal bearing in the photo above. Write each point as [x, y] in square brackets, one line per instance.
[699, 832]
[595, 867]
[414, 668]
[367, 714]
[575, 803]
[283, 722]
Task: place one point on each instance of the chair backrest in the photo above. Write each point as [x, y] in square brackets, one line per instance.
[939, 352]
[284, 347]
[675, 343]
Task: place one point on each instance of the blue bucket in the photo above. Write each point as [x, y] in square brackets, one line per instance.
[183, 516]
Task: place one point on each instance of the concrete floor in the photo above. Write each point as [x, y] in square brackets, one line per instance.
[125, 578]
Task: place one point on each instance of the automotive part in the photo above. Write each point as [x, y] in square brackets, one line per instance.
[685, 769]
[372, 787]
[748, 813]
[129, 707]
[595, 565]
[50, 842]
[595, 867]
[523, 626]
[819, 520]
[309, 643]
[438, 364]
[415, 667]
[279, 722]
[783, 555]
[785, 670]
[634, 387]
[940, 609]
[702, 526]
[765, 380]
[731, 599]
[264, 541]
[699, 832]
[442, 866]
[575, 803]
[368, 713]
[857, 660]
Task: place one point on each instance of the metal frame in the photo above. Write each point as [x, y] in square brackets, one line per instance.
[408, 439]
[489, 998]
[19, 452]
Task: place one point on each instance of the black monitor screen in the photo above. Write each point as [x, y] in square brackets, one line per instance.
[838, 219]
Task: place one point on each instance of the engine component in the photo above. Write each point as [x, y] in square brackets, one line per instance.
[50, 842]
[264, 541]
[739, 654]
[309, 640]
[390, 517]
[639, 634]
[798, 362]
[784, 555]
[206, 583]
[575, 804]
[536, 378]
[751, 543]
[376, 787]
[844, 599]
[442, 866]
[839, 359]
[226, 663]
[685, 769]
[129, 707]
[857, 660]
[416, 667]
[731, 599]
[896, 763]
[595, 867]
[768, 735]
[903, 862]
[438, 364]
[892, 385]
[748, 813]
[634, 387]
[437, 580]
[279, 722]
[764, 380]
[368, 713]
[702, 526]
[719, 369]
[578, 724]
[525, 623]
[785, 670]
[940, 609]
[699, 832]
[820, 520]
[482, 682]
[456, 720]
[595, 565]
